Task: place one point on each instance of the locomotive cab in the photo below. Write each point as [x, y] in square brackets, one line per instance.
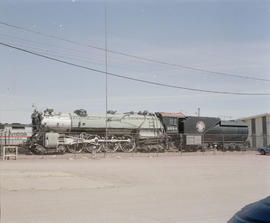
[171, 123]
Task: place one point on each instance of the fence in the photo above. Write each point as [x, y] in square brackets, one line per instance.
[227, 141]
[257, 141]
[186, 142]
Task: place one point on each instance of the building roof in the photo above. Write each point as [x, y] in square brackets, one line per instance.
[256, 116]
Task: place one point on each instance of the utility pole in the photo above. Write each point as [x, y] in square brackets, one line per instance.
[106, 77]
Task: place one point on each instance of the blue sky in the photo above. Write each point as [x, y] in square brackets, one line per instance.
[225, 36]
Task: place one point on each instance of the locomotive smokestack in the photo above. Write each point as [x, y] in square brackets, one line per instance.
[199, 111]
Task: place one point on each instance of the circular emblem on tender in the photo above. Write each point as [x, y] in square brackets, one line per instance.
[200, 126]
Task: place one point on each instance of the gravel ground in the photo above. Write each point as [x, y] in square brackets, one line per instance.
[168, 188]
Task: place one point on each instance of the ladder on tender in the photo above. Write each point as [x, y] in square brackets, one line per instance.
[152, 126]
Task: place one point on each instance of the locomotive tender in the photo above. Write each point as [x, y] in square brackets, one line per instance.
[209, 132]
[142, 131]
[192, 133]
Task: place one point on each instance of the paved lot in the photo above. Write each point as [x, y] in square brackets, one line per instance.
[168, 188]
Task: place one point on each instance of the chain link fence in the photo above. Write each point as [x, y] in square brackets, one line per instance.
[187, 142]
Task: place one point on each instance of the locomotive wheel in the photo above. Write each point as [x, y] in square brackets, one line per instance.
[38, 150]
[111, 147]
[153, 148]
[172, 146]
[117, 147]
[91, 148]
[61, 149]
[102, 148]
[76, 148]
[161, 148]
[129, 146]
[144, 148]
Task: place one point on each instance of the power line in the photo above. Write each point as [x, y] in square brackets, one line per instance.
[131, 78]
[66, 52]
[63, 54]
[134, 56]
[106, 75]
[57, 54]
[45, 44]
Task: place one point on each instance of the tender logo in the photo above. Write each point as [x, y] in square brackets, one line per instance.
[200, 126]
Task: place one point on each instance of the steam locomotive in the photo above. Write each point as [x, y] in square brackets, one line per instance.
[142, 131]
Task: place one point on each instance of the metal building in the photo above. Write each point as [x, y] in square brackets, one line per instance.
[259, 130]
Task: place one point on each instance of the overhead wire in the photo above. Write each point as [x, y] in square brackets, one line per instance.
[47, 45]
[66, 53]
[131, 78]
[52, 52]
[134, 56]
